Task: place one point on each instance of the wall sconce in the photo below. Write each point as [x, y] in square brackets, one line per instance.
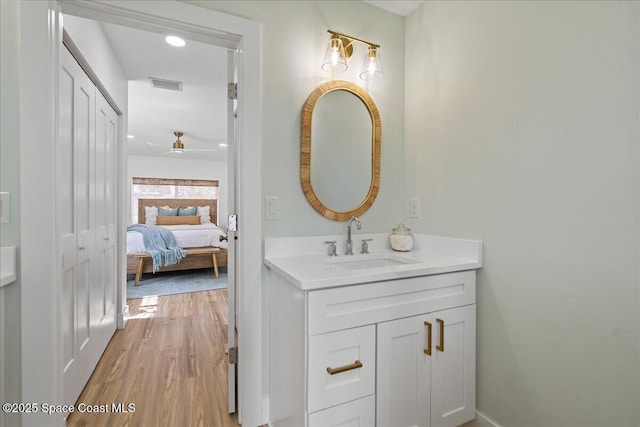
[341, 47]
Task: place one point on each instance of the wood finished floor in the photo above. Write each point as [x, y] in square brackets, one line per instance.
[169, 361]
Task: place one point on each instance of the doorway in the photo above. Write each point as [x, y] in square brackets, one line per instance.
[171, 91]
[41, 377]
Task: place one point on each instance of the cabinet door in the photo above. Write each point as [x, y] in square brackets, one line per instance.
[426, 370]
[453, 367]
[403, 374]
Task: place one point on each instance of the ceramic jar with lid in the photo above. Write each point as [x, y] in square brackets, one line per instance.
[401, 239]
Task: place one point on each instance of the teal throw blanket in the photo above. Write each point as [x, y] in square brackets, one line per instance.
[160, 244]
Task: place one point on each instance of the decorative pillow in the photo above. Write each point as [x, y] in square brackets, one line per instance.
[190, 211]
[167, 211]
[178, 220]
[150, 214]
[204, 212]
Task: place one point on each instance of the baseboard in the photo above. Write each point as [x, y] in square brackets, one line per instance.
[481, 421]
[266, 404]
[123, 317]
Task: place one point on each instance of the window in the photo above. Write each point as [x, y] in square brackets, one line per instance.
[167, 188]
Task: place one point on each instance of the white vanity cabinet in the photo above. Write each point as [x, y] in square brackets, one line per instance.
[355, 354]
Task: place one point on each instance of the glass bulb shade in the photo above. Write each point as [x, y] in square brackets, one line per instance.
[335, 60]
[372, 66]
[175, 41]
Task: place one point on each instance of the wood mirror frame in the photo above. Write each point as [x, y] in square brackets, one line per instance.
[305, 149]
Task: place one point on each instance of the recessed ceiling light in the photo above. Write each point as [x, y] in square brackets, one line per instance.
[175, 41]
[130, 136]
[222, 144]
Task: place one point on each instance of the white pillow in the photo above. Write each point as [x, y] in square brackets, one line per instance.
[204, 212]
[151, 215]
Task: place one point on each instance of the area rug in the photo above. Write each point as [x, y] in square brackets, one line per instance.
[176, 282]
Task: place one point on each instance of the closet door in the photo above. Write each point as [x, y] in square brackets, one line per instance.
[86, 165]
[76, 194]
[103, 298]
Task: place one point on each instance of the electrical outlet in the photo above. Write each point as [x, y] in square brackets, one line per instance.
[414, 208]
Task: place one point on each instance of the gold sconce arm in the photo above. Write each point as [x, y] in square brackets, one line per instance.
[349, 41]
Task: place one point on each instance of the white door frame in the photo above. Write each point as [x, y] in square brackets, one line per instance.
[41, 36]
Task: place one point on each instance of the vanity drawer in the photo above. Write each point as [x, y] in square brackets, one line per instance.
[359, 413]
[351, 306]
[351, 357]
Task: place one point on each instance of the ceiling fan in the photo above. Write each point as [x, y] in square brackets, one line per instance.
[178, 146]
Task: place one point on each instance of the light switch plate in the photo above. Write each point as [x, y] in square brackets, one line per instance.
[272, 207]
[5, 208]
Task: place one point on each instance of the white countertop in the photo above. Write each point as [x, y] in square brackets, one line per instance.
[304, 261]
[7, 265]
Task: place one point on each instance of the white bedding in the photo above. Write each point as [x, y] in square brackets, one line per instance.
[187, 236]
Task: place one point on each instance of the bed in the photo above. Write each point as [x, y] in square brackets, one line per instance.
[205, 244]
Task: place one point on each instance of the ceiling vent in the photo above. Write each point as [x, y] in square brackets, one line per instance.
[165, 84]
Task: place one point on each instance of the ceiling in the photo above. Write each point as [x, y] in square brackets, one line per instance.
[399, 7]
[200, 109]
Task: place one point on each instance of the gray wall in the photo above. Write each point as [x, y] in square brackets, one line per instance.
[522, 131]
[9, 182]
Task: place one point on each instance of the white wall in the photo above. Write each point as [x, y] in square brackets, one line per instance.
[10, 324]
[95, 48]
[523, 131]
[170, 167]
[37, 213]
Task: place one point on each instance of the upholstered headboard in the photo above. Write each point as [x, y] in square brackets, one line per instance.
[174, 203]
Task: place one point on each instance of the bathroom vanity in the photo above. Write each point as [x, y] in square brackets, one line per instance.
[379, 339]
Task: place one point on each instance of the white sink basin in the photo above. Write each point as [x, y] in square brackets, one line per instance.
[373, 262]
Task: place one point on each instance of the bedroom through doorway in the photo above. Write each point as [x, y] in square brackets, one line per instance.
[178, 139]
[188, 211]
[177, 159]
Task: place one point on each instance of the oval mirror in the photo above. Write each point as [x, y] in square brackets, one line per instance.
[340, 150]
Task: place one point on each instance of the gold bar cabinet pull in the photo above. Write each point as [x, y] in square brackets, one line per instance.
[355, 365]
[427, 350]
[440, 347]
